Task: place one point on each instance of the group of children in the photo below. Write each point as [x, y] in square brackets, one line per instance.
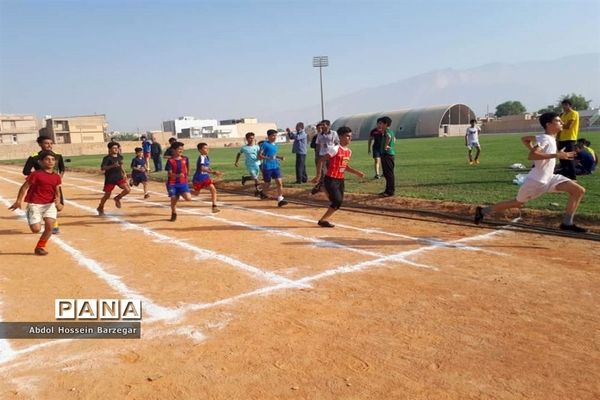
[42, 187]
[177, 168]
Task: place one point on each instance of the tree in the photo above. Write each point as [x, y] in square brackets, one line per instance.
[509, 108]
[550, 108]
[579, 102]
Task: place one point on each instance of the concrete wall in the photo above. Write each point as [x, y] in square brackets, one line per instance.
[22, 151]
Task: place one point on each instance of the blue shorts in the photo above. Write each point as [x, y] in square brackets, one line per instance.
[269, 174]
[253, 170]
[376, 153]
[177, 189]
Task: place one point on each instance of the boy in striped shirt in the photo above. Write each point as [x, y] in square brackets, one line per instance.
[339, 158]
[177, 182]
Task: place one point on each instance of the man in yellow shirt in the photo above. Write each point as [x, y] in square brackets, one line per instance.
[567, 138]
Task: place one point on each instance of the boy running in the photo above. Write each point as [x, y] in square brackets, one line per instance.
[542, 179]
[138, 171]
[112, 165]
[338, 157]
[32, 163]
[177, 183]
[42, 188]
[202, 176]
[472, 141]
[271, 170]
[250, 151]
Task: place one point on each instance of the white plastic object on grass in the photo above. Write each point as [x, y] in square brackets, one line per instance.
[519, 179]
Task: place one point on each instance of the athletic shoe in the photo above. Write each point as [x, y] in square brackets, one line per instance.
[282, 203]
[476, 161]
[56, 230]
[40, 251]
[573, 228]
[146, 195]
[385, 194]
[244, 179]
[100, 211]
[470, 162]
[316, 189]
[478, 215]
[173, 217]
[325, 224]
[215, 209]
[117, 202]
[263, 196]
[376, 177]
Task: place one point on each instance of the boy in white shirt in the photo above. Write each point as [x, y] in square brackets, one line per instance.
[542, 179]
[472, 141]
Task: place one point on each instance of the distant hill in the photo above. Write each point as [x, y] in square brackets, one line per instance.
[535, 84]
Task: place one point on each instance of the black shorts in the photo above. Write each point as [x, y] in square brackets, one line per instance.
[335, 191]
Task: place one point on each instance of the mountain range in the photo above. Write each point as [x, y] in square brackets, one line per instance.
[535, 84]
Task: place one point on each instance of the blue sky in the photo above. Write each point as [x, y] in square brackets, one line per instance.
[141, 62]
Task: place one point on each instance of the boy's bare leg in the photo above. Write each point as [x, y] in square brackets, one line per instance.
[100, 208]
[41, 244]
[576, 193]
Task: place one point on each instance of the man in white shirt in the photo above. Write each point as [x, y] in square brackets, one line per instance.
[542, 179]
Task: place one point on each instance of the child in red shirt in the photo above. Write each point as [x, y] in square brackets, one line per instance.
[41, 192]
[338, 157]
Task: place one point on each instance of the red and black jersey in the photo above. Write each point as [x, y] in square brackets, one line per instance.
[178, 170]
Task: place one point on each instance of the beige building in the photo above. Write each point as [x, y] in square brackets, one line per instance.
[16, 129]
[77, 129]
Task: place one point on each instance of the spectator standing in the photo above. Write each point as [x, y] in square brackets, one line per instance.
[567, 138]
[156, 153]
[299, 149]
[388, 154]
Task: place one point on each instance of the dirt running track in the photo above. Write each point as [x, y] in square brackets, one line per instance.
[258, 302]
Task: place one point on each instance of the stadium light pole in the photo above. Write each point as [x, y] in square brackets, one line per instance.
[321, 61]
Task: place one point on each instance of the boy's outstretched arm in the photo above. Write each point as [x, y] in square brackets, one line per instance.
[237, 159]
[20, 196]
[356, 172]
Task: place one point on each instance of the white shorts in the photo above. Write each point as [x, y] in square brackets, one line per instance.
[37, 212]
[533, 189]
[473, 144]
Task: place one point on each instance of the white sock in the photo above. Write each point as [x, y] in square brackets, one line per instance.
[280, 198]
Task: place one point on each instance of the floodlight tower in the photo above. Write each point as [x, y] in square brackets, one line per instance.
[321, 61]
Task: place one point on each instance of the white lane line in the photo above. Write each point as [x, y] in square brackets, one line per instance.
[111, 280]
[156, 312]
[6, 351]
[457, 244]
[199, 252]
[316, 241]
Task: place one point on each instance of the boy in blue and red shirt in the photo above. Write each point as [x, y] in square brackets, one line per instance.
[41, 192]
[338, 157]
[139, 172]
[177, 169]
[202, 176]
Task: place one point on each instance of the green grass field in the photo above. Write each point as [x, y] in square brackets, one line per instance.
[429, 168]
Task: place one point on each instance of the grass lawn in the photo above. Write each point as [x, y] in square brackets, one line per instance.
[428, 168]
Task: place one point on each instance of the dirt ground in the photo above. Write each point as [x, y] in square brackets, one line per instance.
[258, 302]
